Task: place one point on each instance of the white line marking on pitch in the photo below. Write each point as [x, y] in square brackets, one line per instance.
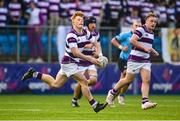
[14, 109]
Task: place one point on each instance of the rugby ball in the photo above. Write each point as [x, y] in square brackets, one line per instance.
[103, 61]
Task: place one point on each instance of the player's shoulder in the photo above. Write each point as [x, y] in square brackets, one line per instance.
[95, 33]
[72, 33]
[125, 34]
[140, 29]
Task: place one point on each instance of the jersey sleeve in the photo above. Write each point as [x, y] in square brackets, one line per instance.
[96, 35]
[71, 40]
[91, 37]
[120, 37]
[139, 32]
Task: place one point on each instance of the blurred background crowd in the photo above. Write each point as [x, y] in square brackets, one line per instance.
[25, 23]
[107, 12]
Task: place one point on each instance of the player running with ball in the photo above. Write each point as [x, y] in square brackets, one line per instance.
[75, 42]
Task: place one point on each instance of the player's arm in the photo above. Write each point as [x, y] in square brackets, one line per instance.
[115, 42]
[95, 42]
[135, 43]
[78, 54]
[72, 43]
[98, 51]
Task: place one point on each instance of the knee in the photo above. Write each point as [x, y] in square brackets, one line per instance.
[93, 81]
[146, 81]
[126, 81]
[84, 86]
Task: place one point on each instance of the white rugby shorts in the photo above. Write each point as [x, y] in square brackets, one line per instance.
[135, 67]
[84, 68]
[69, 69]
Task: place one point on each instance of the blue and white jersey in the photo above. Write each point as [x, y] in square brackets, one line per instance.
[146, 39]
[124, 39]
[77, 40]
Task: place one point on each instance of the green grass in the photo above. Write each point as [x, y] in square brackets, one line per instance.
[55, 107]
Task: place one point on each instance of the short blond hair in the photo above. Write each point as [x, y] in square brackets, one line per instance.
[151, 14]
[77, 13]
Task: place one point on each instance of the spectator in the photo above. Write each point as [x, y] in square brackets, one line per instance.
[43, 5]
[64, 12]
[171, 14]
[131, 4]
[3, 20]
[175, 45]
[3, 14]
[14, 12]
[128, 21]
[160, 8]
[54, 6]
[84, 6]
[34, 34]
[114, 8]
[107, 15]
[96, 6]
[178, 13]
[73, 6]
[146, 6]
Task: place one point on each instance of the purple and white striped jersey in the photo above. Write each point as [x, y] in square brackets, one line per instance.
[3, 16]
[85, 8]
[64, 13]
[77, 40]
[43, 6]
[72, 8]
[171, 12]
[15, 9]
[129, 20]
[115, 6]
[146, 7]
[132, 4]
[54, 6]
[96, 7]
[146, 39]
[162, 12]
[89, 51]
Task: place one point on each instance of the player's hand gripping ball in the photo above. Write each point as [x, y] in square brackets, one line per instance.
[103, 61]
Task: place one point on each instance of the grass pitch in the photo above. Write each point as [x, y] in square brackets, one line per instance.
[57, 107]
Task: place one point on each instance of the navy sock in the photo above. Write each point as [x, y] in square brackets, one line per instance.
[144, 100]
[74, 99]
[114, 92]
[92, 102]
[37, 75]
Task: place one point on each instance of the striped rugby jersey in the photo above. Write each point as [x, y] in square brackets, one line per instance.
[146, 39]
[86, 51]
[75, 39]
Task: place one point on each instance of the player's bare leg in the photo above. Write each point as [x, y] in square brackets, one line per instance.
[77, 94]
[86, 92]
[121, 95]
[54, 83]
[77, 90]
[145, 75]
[122, 82]
[61, 79]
